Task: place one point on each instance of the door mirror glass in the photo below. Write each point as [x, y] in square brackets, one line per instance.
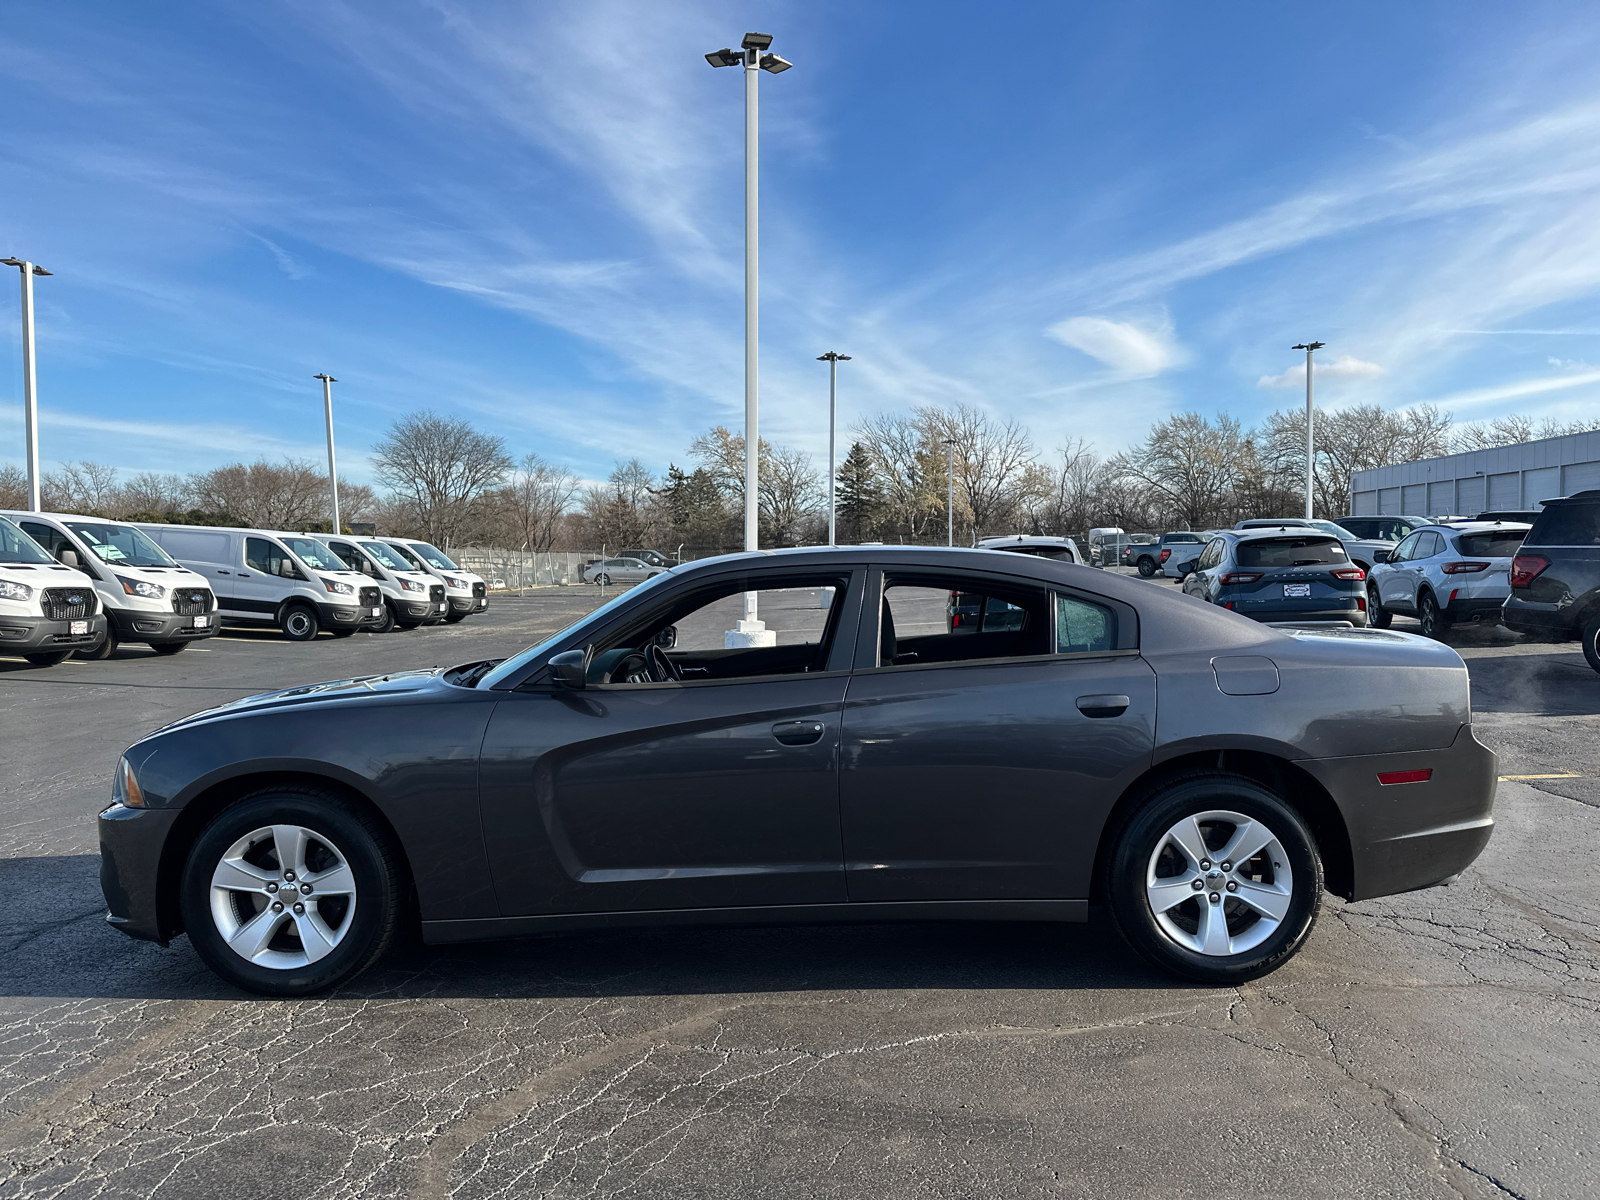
[1380, 556]
[569, 669]
[668, 637]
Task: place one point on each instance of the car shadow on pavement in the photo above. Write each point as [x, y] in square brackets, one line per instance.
[54, 942]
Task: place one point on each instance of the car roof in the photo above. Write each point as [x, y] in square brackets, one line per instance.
[1474, 526]
[1022, 539]
[1259, 533]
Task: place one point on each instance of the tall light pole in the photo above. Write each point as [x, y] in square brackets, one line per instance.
[30, 399]
[1310, 348]
[754, 56]
[833, 359]
[950, 499]
[333, 475]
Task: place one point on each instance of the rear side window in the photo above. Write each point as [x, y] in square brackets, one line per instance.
[1567, 525]
[1500, 543]
[1290, 552]
[1082, 627]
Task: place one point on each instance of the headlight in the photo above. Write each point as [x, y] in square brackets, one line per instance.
[141, 587]
[335, 585]
[456, 583]
[125, 786]
[14, 591]
[411, 585]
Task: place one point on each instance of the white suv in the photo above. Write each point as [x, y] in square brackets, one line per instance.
[1444, 573]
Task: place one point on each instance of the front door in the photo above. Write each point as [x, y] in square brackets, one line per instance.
[979, 763]
[719, 789]
[260, 585]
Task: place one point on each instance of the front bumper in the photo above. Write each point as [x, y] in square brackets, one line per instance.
[131, 844]
[425, 611]
[41, 635]
[468, 604]
[339, 616]
[131, 625]
[1412, 835]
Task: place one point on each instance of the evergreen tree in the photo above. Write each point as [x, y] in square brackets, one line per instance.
[858, 496]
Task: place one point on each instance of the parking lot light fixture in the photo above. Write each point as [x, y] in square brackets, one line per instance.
[30, 399]
[333, 475]
[1310, 348]
[755, 59]
[833, 359]
[950, 500]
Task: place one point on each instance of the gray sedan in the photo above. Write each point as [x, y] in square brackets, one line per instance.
[619, 570]
[860, 757]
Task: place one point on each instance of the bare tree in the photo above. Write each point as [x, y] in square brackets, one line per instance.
[264, 495]
[441, 467]
[1348, 439]
[82, 487]
[1513, 430]
[790, 491]
[13, 487]
[908, 473]
[535, 500]
[990, 462]
[622, 513]
[151, 494]
[1192, 464]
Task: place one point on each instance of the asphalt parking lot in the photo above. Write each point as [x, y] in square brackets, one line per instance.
[1442, 1043]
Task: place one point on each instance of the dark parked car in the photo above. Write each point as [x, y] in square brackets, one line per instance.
[1383, 529]
[1149, 558]
[653, 557]
[1281, 574]
[1555, 578]
[1203, 775]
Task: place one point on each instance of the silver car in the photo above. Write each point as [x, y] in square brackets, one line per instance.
[618, 570]
[1442, 574]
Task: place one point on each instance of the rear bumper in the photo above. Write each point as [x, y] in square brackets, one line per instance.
[1353, 614]
[1474, 608]
[40, 635]
[131, 844]
[131, 625]
[1542, 620]
[1412, 835]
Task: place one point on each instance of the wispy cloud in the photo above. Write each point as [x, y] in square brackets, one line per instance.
[1347, 367]
[1517, 389]
[1126, 348]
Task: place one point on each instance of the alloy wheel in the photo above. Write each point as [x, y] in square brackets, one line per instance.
[1219, 883]
[282, 896]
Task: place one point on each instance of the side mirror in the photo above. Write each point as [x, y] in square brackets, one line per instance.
[668, 637]
[570, 669]
[69, 558]
[1380, 556]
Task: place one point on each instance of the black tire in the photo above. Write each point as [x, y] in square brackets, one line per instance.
[1434, 622]
[342, 633]
[1591, 641]
[365, 846]
[602, 581]
[455, 618]
[1142, 835]
[169, 647]
[49, 659]
[300, 623]
[104, 650]
[389, 620]
[1377, 616]
[1147, 566]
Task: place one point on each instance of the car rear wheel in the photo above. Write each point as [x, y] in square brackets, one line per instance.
[104, 650]
[1434, 623]
[300, 624]
[291, 891]
[1214, 878]
[1147, 566]
[1591, 642]
[602, 580]
[1376, 616]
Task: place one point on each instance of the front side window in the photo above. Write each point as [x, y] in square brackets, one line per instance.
[269, 558]
[120, 545]
[315, 555]
[1405, 549]
[18, 547]
[1212, 555]
[47, 537]
[385, 554]
[1291, 552]
[433, 557]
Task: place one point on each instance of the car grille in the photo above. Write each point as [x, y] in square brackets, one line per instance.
[480, 590]
[371, 597]
[68, 604]
[191, 602]
[436, 593]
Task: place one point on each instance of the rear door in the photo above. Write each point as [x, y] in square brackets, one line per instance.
[979, 763]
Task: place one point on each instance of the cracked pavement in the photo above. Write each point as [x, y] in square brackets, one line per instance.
[1442, 1043]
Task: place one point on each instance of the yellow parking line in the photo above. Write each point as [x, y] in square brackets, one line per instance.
[1520, 778]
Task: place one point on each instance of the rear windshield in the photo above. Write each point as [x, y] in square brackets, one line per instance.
[1291, 552]
[1498, 543]
[1060, 552]
[1567, 525]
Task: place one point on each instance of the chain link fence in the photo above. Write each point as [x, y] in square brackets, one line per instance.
[515, 570]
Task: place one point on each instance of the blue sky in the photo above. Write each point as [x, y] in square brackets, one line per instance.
[529, 214]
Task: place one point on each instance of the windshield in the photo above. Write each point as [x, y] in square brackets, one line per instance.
[1497, 543]
[514, 666]
[1290, 552]
[120, 545]
[18, 547]
[385, 554]
[434, 559]
[314, 554]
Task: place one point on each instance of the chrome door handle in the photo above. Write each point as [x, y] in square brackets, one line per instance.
[1102, 705]
[799, 733]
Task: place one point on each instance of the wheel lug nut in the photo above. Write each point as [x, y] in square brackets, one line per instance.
[1205, 864]
[277, 906]
[299, 908]
[1227, 866]
[1199, 885]
[272, 887]
[305, 889]
[1215, 899]
[289, 875]
[1232, 886]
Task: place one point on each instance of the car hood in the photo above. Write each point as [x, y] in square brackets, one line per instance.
[361, 688]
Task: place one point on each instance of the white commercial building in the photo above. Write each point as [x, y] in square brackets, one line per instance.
[1507, 477]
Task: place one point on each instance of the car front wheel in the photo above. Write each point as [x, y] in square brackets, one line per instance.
[1376, 616]
[1214, 878]
[291, 891]
[300, 624]
[1591, 642]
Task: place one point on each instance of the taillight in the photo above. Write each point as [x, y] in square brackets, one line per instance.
[1390, 778]
[1242, 577]
[1525, 568]
[1361, 603]
[1350, 573]
[1464, 568]
[1166, 554]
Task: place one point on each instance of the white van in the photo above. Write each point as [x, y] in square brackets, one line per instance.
[290, 580]
[47, 611]
[411, 597]
[467, 593]
[145, 595]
